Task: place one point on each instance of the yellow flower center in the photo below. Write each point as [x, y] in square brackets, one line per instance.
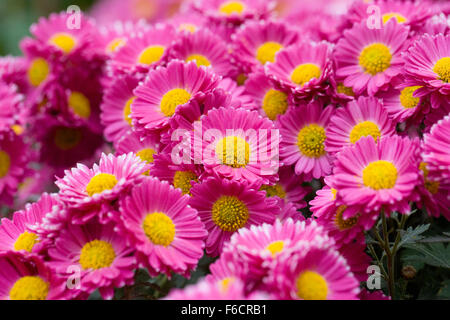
[29, 288]
[442, 69]
[5, 163]
[241, 79]
[18, 129]
[26, 241]
[233, 151]
[199, 60]
[275, 102]
[182, 180]
[63, 41]
[275, 247]
[310, 141]
[276, 190]
[431, 186]
[127, 110]
[334, 193]
[100, 183]
[380, 174]
[231, 7]
[97, 254]
[229, 213]
[115, 45]
[187, 27]
[266, 52]
[375, 58]
[311, 286]
[38, 71]
[67, 138]
[406, 97]
[305, 72]
[80, 105]
[342, 223]
[151, 55]
[159, 229]
[364, 129]
[226, 283]
[388, 16]
[146, 155]
[345, 90]
[172, 99]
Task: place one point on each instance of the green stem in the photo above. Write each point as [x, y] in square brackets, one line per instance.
[389, 256]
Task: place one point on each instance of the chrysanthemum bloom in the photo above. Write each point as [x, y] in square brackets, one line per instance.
[13, 70]
[312, 272]
[338, 92]
[302, 69]
[166, 232]
[145, 149]
[270, 102]
[427, 64]
[360, 118]
[257, 42]
[88, 190]
[367, 59]
[377, 175]
[190, 21]
[144, 50]
[303, 135]
[165, 90]
[227, 206]
[10, 101]
[325, 200]
[25, 277]
[225, 269]
[98, 254]
[19, 233]
[116, 107]
[206, 49]
[437, 151]
[237, 144]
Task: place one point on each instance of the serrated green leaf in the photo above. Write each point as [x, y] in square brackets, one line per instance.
[412, 235]
[435, 254]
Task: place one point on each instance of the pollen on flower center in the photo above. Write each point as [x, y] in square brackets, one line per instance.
[187, 27]
[407, 99]
[29, 288]
[430, 185]
[229, 213]
[342, 223]
[400, 18]
[274, 103]
[172, 99]
[38, 71]
[5, 163]
[182, 180]
[80, 104]
[63, 41]
[100, 183]
[97, 254]
[275, 247]
[305, 72]
[311, 286]
[127, 110]
[272, 191]
[442, 69]
[364, 129]
[115, 45]
[26, 241]
[67, 138]
[345, 90]
[233, 151]
[151, 55]
[375, 58]
[334, 193]
[267, 51]
[146, 155]
[199, 59]
[310, 141]
[226, 283]
[380, 174]
[231, 7]
[159, 229]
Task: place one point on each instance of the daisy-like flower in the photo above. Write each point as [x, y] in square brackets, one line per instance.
[367, 59]
[303, 135]
[237, 144]
[165, 90]
[27, 277]
[87, 190]
[257, 42]
[377, 175]
[312, 272]
[302, 69]
[325, 201]
[227, 206]
[166, 232]
[145, 149]
[98, 252]
[360, 118]
[427, 64]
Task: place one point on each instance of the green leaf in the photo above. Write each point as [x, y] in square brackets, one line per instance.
[435, 254]
[412, 235]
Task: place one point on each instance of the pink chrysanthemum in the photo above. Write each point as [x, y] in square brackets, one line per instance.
[227, 206]
[13, 71]
[378, 175]
[325, 201]
[190, 21]
[25, 277]
[303, 135]
[367, 59]
[166, 232]
[10, 113]
[302, 69]
[145, 149]
[237, 144]
[98, 254]
[360, 118]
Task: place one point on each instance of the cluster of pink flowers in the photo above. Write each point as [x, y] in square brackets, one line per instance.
[103, 110]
